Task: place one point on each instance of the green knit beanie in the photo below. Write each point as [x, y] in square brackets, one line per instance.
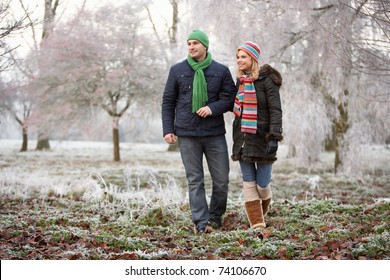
[200, 36]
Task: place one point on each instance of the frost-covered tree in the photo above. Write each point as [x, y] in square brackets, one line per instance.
[9, 25]
[16, 102]
[101, 60]
[356, 68]
[50, 9]
[20, 98]
[359, 31]
[333, 56]
[282, 32]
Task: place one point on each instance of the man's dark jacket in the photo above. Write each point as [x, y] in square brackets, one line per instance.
[177, 116]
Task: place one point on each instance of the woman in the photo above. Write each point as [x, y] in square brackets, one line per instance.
[257, 128]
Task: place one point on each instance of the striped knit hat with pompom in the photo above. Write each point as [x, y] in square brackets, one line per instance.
[252, 49]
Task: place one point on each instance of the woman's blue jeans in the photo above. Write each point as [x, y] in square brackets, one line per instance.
[215, 150]
[256, 172]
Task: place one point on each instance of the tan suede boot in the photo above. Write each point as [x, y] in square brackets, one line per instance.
[253, 208]
[254, 213]
[265, 195]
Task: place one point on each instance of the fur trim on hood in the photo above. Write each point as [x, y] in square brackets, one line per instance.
[267, 70]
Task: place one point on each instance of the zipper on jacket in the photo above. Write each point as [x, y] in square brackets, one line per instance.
[243, 143]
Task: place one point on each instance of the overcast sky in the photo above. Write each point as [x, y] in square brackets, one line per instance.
[161, 10]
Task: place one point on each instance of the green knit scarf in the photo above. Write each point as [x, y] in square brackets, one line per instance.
[199, 87]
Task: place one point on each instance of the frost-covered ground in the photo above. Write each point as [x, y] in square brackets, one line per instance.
[83, 167]
[86, 169]
[74, 202]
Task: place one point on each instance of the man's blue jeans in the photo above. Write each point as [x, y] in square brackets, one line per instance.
[256, 172]
[217, 157]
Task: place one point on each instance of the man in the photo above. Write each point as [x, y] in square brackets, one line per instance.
[197, 93]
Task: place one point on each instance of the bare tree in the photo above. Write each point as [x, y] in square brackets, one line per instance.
[333, 55]
[360, 30]
[9, 26]
[49, 15]
[13, 100]
[113, 73]
[370, 45]
[167, 46]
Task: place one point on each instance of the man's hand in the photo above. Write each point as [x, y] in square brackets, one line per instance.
[204, 112]
[170, 138]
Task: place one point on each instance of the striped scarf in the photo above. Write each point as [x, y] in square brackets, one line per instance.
[245, 105]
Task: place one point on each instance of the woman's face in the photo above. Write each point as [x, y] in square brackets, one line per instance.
[244, 61]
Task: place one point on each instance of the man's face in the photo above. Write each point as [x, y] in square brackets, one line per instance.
[196, 50]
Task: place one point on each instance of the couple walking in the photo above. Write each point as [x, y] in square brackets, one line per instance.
[198, 92]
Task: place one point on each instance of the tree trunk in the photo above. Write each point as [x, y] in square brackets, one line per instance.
[330, 142]
[292, 151]
[25, 140]
[175, 22]
[43, 143]
[341, 122]
[49, 14]
[115, 139]
[341, 127]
